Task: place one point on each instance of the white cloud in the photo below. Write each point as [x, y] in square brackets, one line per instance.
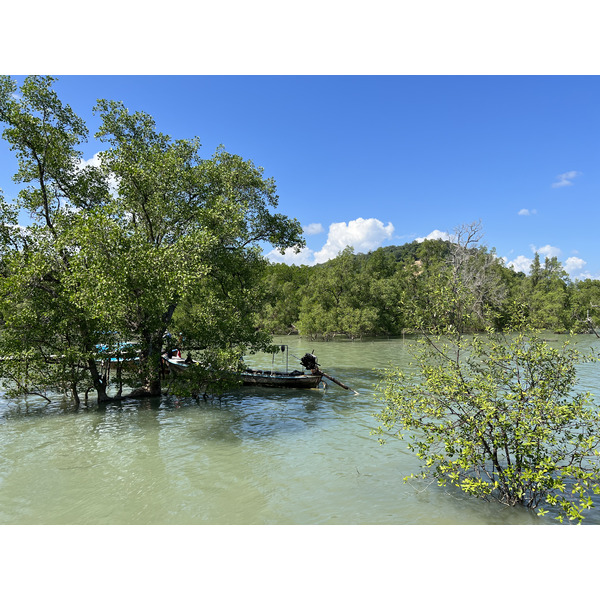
[362, 234]
[547, 250]
[526, 212]
[436, 234]
[291, 257]
[574, 263]
[91, 162]
[565, 179]
[313, 229]
[521, 263]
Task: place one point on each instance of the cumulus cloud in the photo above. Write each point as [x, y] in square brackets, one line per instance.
[521, 263]
[526, 212]
[291, 257]
[566, 179]
[363, 235]
[547, 250]
[573, 264]
[436, 234]
[313, 229]
[91, 162]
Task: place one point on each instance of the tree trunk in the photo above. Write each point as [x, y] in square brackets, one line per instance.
[151, 361]
[99, 383]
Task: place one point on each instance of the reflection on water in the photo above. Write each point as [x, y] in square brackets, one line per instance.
[258, 456]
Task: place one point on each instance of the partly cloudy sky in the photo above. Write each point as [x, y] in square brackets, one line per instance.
[573, 265]
[369, 161]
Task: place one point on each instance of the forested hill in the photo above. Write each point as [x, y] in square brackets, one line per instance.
[430, 285]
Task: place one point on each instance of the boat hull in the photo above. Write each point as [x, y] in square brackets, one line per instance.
[280, 380]
[259, 378]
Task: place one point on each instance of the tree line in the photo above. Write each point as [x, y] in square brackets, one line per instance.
[396, 289]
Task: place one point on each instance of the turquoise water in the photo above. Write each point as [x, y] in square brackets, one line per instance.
[258, 456]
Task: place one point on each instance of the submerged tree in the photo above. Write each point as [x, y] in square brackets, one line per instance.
[500, 417]
[49, 339]
[114, 250]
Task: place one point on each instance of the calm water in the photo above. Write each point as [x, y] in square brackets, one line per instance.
[257, 457]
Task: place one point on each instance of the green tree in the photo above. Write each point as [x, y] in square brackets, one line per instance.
[285, 287]
[197, 224]
[338, 302]
[499, 417]
[177, 231]
[460, 289]
[546, 294]
[51, 339]
[585, 306]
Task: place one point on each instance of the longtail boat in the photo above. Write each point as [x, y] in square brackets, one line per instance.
[295, 379]
[263, 377]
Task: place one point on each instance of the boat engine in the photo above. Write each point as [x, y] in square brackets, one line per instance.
[309, 361]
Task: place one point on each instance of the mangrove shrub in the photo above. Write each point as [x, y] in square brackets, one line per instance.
[499, 416]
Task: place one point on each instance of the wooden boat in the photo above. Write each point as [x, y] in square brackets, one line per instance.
[258, 377]
[295, 379]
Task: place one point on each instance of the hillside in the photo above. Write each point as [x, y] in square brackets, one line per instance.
[398, 289]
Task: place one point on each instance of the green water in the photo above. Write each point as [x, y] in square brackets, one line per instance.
[257, 457]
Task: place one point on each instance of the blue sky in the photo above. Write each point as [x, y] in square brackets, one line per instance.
[378, 160]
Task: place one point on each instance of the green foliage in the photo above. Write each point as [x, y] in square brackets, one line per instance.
[284, 289]
[155, 237]
[499, 417]
[393, 290]
[399, 289]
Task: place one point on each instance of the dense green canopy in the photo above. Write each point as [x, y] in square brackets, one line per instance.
[152, 239]
[397, 289]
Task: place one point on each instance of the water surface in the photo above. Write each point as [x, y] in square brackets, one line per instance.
[258, 456]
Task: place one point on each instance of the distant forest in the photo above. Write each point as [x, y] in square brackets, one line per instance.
[402, 289]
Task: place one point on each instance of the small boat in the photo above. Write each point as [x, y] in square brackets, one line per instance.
[259, 377]
[176, 363]
[295, 379]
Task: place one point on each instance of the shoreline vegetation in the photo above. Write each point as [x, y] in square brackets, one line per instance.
[395, 291]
